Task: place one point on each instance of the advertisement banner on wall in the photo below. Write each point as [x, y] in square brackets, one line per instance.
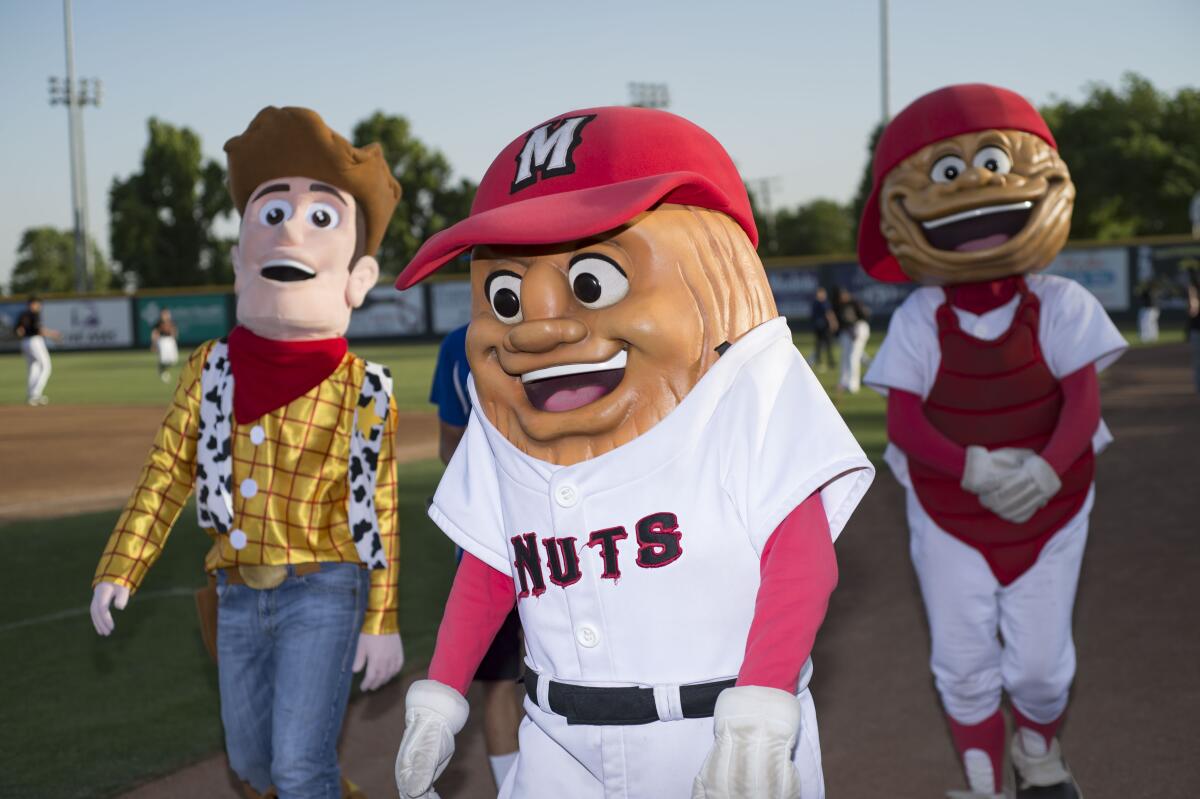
[199, 317]
[90, 324]
[10, 312]
[387, 313]
[793, 288]
[451, 305]
[1104, 271]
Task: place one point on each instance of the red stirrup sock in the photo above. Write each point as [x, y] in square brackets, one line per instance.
[988, 737]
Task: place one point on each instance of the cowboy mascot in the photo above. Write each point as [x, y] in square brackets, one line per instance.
[288, 440]
[990, 372]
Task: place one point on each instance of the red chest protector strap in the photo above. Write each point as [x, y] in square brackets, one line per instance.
[995, 394]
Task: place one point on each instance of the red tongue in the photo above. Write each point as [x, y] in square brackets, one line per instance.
[569, 399]
[985, 243]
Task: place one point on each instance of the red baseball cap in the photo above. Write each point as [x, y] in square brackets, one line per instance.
[946, 112]
[585, 172]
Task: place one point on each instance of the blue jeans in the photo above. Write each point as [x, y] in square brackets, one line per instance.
[285, 656]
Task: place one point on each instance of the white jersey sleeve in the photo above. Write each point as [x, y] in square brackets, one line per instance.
[1074, 328]
[783, 440]
[909, 356]
[467, 505]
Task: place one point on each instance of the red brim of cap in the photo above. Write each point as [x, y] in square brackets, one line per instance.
[873, 252]
[563, 216]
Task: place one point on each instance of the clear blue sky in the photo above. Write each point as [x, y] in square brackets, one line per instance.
[790, 88]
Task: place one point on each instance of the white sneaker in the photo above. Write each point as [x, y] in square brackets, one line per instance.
[1044, 776]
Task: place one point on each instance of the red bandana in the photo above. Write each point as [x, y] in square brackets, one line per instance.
[268, 374]
[979, 298]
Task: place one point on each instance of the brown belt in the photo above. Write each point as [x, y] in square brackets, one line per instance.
[264, 577]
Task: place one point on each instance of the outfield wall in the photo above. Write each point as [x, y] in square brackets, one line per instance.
[1112, 271]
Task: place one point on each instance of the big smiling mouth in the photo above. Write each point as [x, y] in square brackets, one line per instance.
[284, 271]
[978, 228]
[570, 386]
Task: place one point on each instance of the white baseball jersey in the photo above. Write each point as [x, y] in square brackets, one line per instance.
[1073, 331]
[641, 566]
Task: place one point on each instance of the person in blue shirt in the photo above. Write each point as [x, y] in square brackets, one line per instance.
[501, 666]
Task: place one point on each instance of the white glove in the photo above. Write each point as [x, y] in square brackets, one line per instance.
[1023, 492]
[105, 594]
[434, 713]
[756, 730]
[987, 469]
[383, 657]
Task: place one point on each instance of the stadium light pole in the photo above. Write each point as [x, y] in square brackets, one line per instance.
[884, 88]
[649, 95]
[74, 95]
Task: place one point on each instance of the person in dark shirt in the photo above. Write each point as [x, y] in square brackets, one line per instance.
[163, 343]
[1194, 323]
[33, 335]
[853, 332]
[501, 665]
[824, 325]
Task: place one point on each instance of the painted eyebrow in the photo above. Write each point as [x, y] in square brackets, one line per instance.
[329, 190]
[271, 188]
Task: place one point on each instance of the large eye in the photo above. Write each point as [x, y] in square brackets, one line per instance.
[947, 168]
[322, 215]
[275, 212]
[993, 158]
[503, 290]
[596, 280]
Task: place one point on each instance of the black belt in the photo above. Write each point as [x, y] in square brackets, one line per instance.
[588, 704]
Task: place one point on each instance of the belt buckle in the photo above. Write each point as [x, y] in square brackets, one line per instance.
[263, 578]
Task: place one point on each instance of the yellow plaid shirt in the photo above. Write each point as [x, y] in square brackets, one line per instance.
[297, 509]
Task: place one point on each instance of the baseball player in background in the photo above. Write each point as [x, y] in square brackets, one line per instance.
[501, 665]
[651, 473]
[990, 372]
[33, 334]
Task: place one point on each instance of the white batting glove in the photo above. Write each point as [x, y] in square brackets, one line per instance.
[987, 469]
[105, 594]
[434, 713]
[1022, 493]
[756, 730]
[381, 655]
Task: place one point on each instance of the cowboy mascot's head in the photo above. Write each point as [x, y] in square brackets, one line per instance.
[314, 209]
[612, 259]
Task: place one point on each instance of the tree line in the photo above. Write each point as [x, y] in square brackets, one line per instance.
[1133, 151]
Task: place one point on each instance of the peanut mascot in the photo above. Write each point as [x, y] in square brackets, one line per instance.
[652, 475]
[993, 413]
[288, 440]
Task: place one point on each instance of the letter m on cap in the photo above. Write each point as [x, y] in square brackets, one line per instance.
[548, 150]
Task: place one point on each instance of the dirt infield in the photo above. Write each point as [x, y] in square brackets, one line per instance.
[63, 459]
[1131, 728]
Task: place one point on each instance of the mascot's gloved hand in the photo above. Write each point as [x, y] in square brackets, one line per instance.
[756, 730]
[105, 594]
[381, 655]
[1024, 491]
[433, 714]
[986, 469]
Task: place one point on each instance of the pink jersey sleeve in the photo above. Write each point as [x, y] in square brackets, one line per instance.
[480, 599]
[799, 572]
[1077, 421]
[910, 429]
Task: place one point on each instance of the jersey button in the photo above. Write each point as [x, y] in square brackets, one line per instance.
[257, 435]
[238, 540]
[248, 488]
[566, 495]
[587, 636]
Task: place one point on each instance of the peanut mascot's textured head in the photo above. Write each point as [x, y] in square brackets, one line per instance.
[314, 210]
[968, 187]
[612, 256]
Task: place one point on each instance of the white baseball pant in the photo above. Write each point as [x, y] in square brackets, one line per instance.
[37, 357]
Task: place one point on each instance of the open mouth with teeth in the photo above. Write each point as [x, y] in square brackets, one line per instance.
[287, 271]
[572, 385]
[978, 228]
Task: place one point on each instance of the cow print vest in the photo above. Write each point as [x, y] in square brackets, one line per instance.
[214, 457]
